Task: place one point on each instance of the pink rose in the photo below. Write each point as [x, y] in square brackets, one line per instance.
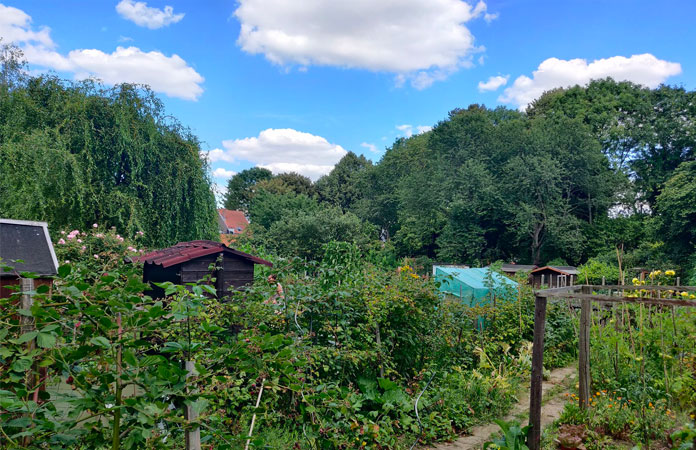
[94, 225]
[79, 241]
[96, 256]
[61, 241]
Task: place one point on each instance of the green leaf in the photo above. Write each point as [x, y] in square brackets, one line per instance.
[64, 270]
[100, 341]
[22, 364]
[42, 289]
[26, 337]
[209, 289]
[45, 340]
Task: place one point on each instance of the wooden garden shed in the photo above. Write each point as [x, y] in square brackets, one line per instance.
[30, 243]
[189, 262]
[554, 276]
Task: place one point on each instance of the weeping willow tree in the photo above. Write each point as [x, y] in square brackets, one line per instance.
[78, 153]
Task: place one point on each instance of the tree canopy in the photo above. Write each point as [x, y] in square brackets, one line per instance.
[76, 153]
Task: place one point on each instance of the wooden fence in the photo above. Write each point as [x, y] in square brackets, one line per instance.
[586, 294]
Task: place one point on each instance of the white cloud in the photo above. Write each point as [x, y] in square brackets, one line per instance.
[493, 83]
[371, 147]
[490, 17]
[218, 154]
[15, 26]
[420, 41]
[145, 16]
[170, 75]
[407, 130]
[221, 172]
[643, 69]
[283, 150]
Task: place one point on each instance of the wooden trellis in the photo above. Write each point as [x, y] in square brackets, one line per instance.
[650, 295]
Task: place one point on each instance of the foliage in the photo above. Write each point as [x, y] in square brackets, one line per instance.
[241, 187]
[513, 437]
[677, 208]
[593, 271]
[284, 183]
[342, 186]
[113, 154]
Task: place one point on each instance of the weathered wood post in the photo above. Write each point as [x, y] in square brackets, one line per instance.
[193, 436]
[584, 348]
[535, 392]
[28, 325]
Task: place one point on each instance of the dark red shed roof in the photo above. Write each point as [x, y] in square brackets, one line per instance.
[186, 251]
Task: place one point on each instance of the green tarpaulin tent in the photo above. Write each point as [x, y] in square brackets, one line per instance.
[473, 286]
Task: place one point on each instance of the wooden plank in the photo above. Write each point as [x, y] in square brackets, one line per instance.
[611, 299]
[647, 287]
[535, 393]
[547, 292]
[584, 351]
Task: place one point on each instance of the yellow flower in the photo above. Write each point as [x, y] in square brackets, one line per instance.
[692, 296]
[658, 272]
[670, 273]
[684, 294]
[636, 281]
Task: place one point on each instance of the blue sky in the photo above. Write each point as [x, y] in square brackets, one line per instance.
[311, 79]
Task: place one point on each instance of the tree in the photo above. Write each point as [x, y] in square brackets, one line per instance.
[241, 187]
[676, 208]
[267, 207]
[284, 183]
[304, 233]
[645, 133]
[73, 154]
[342, 186]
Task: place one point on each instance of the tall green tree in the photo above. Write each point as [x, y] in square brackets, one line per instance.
[290, 182]
[676, 208]
[342, 186]
[73, 154]
[241, 187]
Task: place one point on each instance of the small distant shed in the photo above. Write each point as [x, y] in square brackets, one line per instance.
[29, 242]
[473, 286]
[554, 276]
[513, 269]
[189, 262]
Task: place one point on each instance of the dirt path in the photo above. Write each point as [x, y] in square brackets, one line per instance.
[550, 411]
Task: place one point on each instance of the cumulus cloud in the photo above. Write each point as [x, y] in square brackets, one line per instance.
[170, 75]
[371, 147]
[408, 130]
[221, 172]
[145, 16]
[419, 41]
[284, 150]
[493, 83]
[217, 154]
[643, 69]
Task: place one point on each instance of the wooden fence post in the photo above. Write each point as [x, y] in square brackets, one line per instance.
[535, 392]
[584, 349]
[193, 436]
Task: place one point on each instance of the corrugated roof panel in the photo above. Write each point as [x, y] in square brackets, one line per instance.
[187, 251]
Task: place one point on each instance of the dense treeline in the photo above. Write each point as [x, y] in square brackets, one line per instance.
[75, 153]
[583, 171]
